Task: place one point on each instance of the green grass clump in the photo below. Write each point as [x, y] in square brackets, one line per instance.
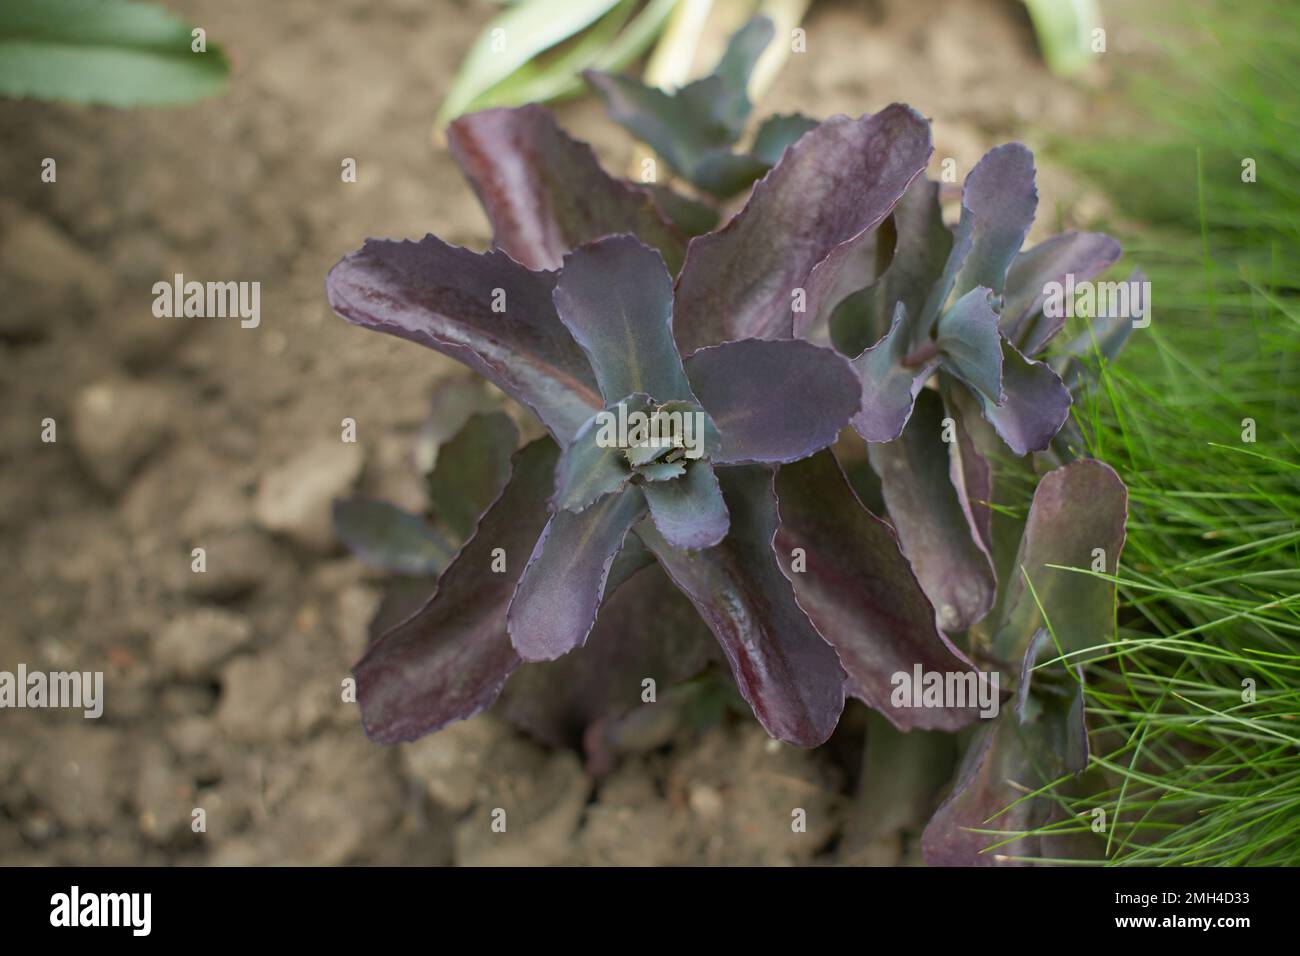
[1187, 768]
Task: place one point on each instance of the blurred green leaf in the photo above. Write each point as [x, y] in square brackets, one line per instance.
[114, 52]
[555, 73]
[778, 132]
[512, 39]
[472, 469]
[454, 400]
[610, 42]
[1064, 29]
[693, 128]
[388, 537]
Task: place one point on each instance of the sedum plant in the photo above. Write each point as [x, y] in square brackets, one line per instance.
[835, 300]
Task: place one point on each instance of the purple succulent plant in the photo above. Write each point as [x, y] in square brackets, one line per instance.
[836, 296]
[576, 316]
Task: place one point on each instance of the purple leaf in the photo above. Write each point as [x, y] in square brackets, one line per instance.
[916, 247]
[630, 560]
[986, 796]
[450, 659]
[545, 192]
[799, 228]
[688, 511]
[443, 297]
[967, 337]
[999, 200]
[555, 605]
[859, 591]
[786, 671]
[1080, 254]
[616, 298]
[1076, 521]
[1038, 740]
[1035, 403]
[969, 470]
[926, 510]
[646, 629]
[889, 384]
[773, 401]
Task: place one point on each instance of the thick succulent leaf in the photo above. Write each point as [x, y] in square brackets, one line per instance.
[591, 465]
[555, 605]
[646, 629]
[1035, 403]
[657, 118]
[633, 558]
[926, 510]
[1050, 705]
[999, 199]
[889, 385]
[858, 589]
[387, 537]
[722, 173]
[449, 660]
[694, 147]
[455, 398]
[689, 511]
[778, 132]
[1079, 254]
[616, 298]
[1105, 336]
[920, 244]
[545, 193]
[773, 401]
[662, 470]
[985, 797]
[969, 470]
[967, 337]
[442, 296]
[725, 101]
[1076, 510]
[693, 218]
[403, 596]
[786, 671]
[1040, 738]
[798, 230]
[472, 469]
[693, 128]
